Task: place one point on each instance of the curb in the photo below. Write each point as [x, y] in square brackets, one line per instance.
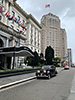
[16, 82]
[60, 70]
[20, 81]
[72, 91]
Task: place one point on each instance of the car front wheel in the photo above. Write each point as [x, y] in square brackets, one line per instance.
[49, 76]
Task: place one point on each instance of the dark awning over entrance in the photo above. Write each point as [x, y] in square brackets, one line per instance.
[18, 51]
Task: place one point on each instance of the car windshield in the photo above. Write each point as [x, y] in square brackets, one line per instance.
[46, 67]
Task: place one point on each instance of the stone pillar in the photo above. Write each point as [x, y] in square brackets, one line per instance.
[7, 42]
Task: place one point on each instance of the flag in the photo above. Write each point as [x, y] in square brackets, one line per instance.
[14, 18]
[10, 17]
[17, 21]
[20, 22]
[47, 6]
[1, 10]
[7, 14]
[24, 27]
[20, 31]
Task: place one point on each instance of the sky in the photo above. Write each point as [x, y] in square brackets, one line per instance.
[64, 9]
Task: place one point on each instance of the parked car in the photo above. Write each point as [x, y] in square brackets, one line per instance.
[66, 67]
[46, 71]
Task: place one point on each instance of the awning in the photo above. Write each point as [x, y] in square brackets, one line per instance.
[17, 51]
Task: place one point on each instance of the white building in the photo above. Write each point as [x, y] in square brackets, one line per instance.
[14, 18]
[34, 34]
[17, 28]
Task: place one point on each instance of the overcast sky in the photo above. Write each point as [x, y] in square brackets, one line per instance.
[65, 9]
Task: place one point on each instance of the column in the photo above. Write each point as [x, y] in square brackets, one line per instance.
[7, 42]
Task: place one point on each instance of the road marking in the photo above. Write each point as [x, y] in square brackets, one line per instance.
[16, 83]
[13, 86]
[72, 91]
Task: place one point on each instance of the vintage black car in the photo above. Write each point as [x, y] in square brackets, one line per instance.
[46, 71]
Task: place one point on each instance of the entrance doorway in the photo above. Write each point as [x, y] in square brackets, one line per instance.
[2, 56]
[8, 62]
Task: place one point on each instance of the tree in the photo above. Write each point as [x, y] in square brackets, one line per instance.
[33, 60]
[42, 61]
[49, 55]
[41, 55]
[36, 59]
[29, 61]
[56, 61]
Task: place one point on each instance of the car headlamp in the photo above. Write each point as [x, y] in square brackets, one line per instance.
[38, 71]
[44, 71]
[48, 71]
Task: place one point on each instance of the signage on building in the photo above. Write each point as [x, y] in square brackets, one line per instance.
[12, 1]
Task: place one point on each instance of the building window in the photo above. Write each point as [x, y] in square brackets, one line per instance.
[35, 43]
[23, 22]
[0, 17]
[31, 48]
[13, 14]
[31, 30]
[38, 51]
[12, 26]
[31, 41]
[18, 20]
[38, 44]
[17, 30]
[1, 1]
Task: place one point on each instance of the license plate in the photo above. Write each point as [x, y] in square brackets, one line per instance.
[41, 74]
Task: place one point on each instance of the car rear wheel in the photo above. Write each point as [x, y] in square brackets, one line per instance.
[37, 77]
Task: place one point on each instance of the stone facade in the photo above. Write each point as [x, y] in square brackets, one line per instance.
[34, 34]
[51, 35]
[15, 28]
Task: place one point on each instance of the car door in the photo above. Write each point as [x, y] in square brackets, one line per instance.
[53, 69]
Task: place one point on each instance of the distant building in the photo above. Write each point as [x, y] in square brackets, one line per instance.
[52, 35]
[69, 54]
[63, 44]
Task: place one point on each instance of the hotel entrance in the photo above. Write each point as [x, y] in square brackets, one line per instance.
[12, 52]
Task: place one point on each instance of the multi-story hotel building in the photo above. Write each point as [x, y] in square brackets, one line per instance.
[17, 28]
[51, 35]
[34, 34]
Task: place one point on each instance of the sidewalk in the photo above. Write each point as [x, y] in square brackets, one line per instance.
[7, 80]
[59, 69]
[72, 91]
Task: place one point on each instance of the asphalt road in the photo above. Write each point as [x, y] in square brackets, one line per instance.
[57, 88]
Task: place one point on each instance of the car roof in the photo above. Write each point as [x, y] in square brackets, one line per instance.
[46, 66]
